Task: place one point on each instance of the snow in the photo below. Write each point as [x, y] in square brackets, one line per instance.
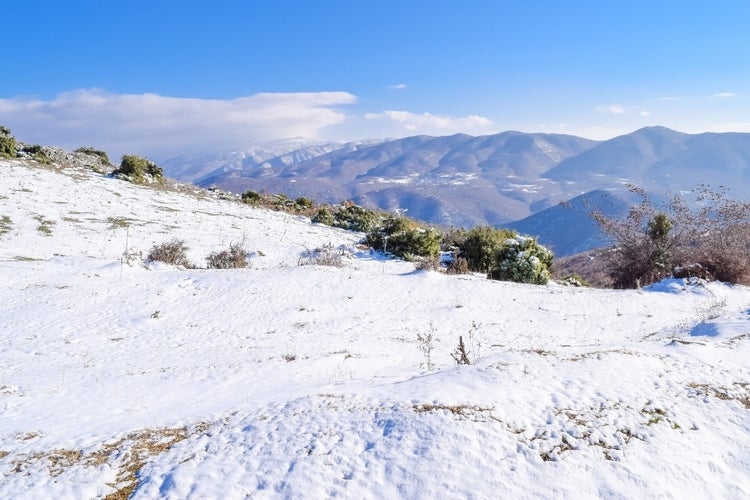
[290, 381]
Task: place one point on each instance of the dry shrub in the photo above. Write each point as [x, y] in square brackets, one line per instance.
[234, 258]
[326, 255]
[427, 263]
[702, 231]
[171, 252]
[593, 266]
[458, 265]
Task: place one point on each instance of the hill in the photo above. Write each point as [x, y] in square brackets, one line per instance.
[123, 377]
[568, 228]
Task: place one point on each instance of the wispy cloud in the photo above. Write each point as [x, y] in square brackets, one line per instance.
[724, 95]
[155, 124]
[615, 109]
[428, 123]
[397, 86]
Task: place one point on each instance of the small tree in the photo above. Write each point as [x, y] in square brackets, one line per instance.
[658, 234]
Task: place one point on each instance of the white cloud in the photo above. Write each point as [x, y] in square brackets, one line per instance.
[645, 114]
[723, 95]
[155, 124]
[427, 123]
[397, 86]
[615, 109]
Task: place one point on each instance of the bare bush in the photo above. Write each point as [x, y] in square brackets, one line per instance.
[234, 258]
[326, 255]
[458, 265]
[701, 231]
[427, 263]
[171, 252]
[460, 356]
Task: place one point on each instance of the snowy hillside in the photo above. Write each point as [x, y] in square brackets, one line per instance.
[290, 381]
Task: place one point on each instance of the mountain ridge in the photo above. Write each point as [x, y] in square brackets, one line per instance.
[500, 179]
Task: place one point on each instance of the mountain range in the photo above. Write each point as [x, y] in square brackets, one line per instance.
[510, 179]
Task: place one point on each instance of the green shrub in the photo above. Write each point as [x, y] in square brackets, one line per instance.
[139, 170]
[303, 203]
[324, 216]
[523, 260]
[94, 152]
[355, 218]
[7, 143]
[403, 238]
[251, 197]
[234, 258]
[38, 153]
[480, 246]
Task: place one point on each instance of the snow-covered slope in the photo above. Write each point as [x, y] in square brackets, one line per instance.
[289, 381]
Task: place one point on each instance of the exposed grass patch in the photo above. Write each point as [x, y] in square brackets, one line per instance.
[470, 411]
[5, 224]
[165, 208]
[126, 456]
[740, 392]
[45, 225]
[119, 222]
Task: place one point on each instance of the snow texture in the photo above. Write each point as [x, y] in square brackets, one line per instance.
[290, 381]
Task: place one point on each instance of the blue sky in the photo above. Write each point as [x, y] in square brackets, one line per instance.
[162, 77]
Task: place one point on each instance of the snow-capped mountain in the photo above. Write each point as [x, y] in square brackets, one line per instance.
[459, 180]
[203, 169]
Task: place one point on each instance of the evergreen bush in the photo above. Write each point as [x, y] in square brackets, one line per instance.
[403, 238]
[480, 246]
[7, 143]
[38, 153]
[251, 197]
[324, 216]
[139, 170]
[523, 260]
